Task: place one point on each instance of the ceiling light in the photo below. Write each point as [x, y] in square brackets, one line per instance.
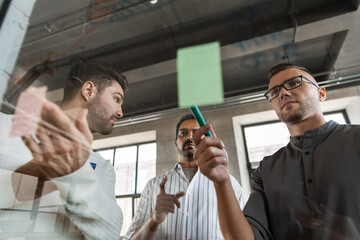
[153, 1]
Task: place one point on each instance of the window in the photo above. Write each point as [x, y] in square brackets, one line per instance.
[264, 139]
[134, 166]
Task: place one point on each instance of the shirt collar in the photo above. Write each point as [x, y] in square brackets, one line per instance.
[317, 133]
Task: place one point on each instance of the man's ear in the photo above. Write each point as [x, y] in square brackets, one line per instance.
[88, 91]
[322, 94]
[175, 143]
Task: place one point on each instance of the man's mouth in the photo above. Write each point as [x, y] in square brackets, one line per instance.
[113, 120]
[189, 144]
[287, 103]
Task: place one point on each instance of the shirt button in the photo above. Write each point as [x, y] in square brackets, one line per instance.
[309, 180]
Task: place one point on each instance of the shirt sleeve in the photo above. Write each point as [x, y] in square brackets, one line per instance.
[256, 209]
[90, 203]
[144, 209]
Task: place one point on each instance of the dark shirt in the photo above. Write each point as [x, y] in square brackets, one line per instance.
[309, 189]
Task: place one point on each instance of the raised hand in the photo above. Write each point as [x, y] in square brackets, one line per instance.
[63, 146]
[165, 203]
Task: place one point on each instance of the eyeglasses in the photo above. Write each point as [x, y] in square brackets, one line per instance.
[289, 84]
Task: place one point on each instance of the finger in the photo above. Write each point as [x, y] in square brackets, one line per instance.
[176, 201]
[165, 209]
[64, 148]
[179, 194]
[212, 131]
[82, 125]
[170, 200]
[32, 146]
[49, 170]
[162, 185]
[216, 161]
[199, 133]
[211, 152]
[59, 121]
[46, 143]
[166, 203]
[209, 143]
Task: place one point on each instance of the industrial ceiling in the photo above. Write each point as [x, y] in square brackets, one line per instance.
[141, 38]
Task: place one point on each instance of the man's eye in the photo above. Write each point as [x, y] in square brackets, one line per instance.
[182, 133]
[117, 100]
[274, 92]
[292, 84]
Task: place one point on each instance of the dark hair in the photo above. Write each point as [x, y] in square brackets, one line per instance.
[181, 120]
[283, 66]
[101, 74]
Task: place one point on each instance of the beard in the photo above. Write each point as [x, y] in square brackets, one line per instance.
[99, 118]
[292, 117]
[297, 115]
[186, 152]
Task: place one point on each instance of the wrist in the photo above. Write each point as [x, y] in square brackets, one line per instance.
[153, 223]
[224, 182]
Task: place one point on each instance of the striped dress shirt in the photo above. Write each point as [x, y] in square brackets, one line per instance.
[197, 217]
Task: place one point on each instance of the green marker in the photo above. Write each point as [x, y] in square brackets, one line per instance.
[199, 118]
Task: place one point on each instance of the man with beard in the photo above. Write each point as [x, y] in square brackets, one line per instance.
[184, 186]
[67, 191]
[307, 189]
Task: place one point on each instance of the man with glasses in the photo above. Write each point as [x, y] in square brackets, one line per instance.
[307, 189]
[195, 214]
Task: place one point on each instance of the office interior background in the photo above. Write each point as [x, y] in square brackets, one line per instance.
[41, 39]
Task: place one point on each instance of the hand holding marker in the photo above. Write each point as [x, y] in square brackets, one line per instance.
[199, 118]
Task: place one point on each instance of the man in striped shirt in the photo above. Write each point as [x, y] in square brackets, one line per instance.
[195, 215]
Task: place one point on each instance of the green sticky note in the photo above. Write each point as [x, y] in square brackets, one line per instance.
[199, 75]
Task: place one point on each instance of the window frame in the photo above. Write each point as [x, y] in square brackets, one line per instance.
[133, 195]
[248, 163]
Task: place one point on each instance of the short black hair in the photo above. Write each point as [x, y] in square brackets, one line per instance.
[101, 74]
[283, 66]
[181, 120]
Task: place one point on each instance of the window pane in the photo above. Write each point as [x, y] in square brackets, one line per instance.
[337, 117]
[108, 155]
[264, 140]
[125, 164]
[126, 208]
[147, 165]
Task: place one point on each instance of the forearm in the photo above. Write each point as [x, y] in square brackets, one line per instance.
[147, 230]
[233, 223]
[29, 183]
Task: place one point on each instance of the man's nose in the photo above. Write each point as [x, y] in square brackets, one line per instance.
[189, 136]
[119, 113]
[283, 92]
